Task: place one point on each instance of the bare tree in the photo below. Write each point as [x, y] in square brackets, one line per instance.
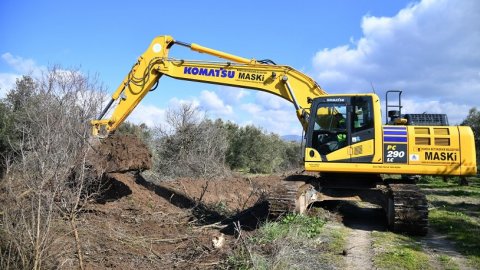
[190, 145]
[46, 185]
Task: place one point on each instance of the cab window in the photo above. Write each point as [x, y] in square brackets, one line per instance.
[362, 114]
[330, 128]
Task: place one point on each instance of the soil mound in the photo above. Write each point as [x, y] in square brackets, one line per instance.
[119, 153]
[148, 223]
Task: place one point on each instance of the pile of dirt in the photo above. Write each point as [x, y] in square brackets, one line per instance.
[119, 153]
[235, 193]
[145, 223]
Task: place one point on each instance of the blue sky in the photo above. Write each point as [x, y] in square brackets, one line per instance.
[427, 48]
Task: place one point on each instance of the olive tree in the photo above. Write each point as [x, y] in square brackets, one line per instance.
[189, 144]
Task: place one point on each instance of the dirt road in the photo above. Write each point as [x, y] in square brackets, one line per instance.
[362, 219]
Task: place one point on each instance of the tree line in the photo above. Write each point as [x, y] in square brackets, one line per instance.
[191, 145]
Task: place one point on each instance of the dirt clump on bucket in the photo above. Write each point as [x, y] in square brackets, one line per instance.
[119, 153]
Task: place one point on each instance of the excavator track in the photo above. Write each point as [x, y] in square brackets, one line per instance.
[405, 205]
[287, 196]
[282, 199]
[407, 209]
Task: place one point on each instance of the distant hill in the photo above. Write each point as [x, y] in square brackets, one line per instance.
[292, 138]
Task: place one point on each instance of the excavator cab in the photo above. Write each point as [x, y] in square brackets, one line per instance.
[338, 123]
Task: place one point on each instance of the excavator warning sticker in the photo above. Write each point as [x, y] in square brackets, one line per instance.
[414, 157]
[395, 153]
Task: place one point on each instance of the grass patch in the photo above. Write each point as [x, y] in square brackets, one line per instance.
[307, 226]
[394, 251]
[292, 225]
[471, 209]
[294, 242]
[465, 192]
[456, 213]
[335, 238]
[462, 229]
[447, 263]
[452, 182]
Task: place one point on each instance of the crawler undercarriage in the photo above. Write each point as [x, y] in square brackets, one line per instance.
[404, 204]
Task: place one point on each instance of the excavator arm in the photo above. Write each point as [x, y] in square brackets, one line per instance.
[263, 75]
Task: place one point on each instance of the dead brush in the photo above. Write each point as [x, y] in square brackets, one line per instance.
[49, 134]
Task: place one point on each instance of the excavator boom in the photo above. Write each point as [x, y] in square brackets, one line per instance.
[263, 75]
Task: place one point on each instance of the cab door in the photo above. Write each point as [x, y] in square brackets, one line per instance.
[362, 130]
[329, 126]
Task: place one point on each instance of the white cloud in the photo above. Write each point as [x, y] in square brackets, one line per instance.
[22, 65]
[210, 102]
[271, 102]
[232, 95]
[273, 114]
[283, 122]
[176, 102]
[429, 50]
[456, 112]
[148, 114]
[251, 108]
[7, 82]
[279, 118]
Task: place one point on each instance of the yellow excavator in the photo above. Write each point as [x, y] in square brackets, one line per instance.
[345, 139]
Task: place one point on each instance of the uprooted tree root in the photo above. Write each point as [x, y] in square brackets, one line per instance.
[119, 153]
